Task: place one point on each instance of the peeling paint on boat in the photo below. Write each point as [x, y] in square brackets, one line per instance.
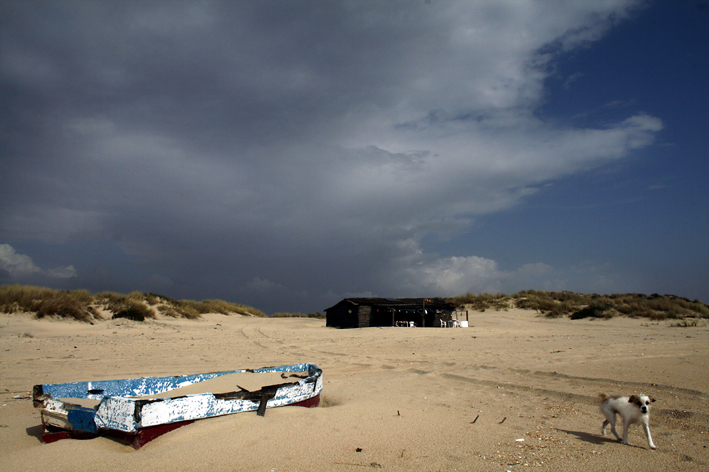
[124, 405]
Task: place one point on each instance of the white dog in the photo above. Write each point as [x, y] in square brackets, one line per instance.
[633, 409]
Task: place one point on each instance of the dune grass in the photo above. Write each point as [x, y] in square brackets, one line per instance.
[483, 301]
[46, 302]
[579, 305]
[83, 306]
[298, 315]
[216, 306]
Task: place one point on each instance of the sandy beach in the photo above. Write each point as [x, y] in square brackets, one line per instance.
[514, 391]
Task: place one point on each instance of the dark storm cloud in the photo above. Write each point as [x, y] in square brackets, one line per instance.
[286, 150]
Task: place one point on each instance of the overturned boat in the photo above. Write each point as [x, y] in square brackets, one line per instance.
[141, 409]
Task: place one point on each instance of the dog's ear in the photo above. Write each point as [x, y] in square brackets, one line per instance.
[652, 399]
[632, 399]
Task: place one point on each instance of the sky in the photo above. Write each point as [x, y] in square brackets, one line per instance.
[288, 154]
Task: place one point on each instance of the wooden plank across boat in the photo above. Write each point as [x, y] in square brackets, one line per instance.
[138, 410]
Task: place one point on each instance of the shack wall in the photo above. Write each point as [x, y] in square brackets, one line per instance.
[364, 317]
[342, 315]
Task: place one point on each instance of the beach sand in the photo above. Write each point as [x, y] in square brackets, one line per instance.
[514, 391]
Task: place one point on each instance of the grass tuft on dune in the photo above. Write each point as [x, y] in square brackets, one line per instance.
[83, 306]
[580, 305]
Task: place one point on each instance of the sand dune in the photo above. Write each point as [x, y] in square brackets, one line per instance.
[512, 392]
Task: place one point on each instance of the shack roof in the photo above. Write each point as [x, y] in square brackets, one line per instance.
[400, 303]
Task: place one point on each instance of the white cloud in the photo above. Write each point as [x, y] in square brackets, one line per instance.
[416, 272]
[456, 275]
[66, 272]
[18, 265]
[21, 266]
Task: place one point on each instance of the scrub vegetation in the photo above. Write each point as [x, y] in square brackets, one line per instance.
[578, 305]
[84, 306]
[298, 315]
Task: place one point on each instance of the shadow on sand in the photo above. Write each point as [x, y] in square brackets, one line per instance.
[36, 431]
[590, 438]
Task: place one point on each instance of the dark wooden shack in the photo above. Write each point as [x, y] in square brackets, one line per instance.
[367, 312]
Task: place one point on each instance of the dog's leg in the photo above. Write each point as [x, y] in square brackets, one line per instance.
[603, 427]
[626, 427]
[646, 427]
[611, 420]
